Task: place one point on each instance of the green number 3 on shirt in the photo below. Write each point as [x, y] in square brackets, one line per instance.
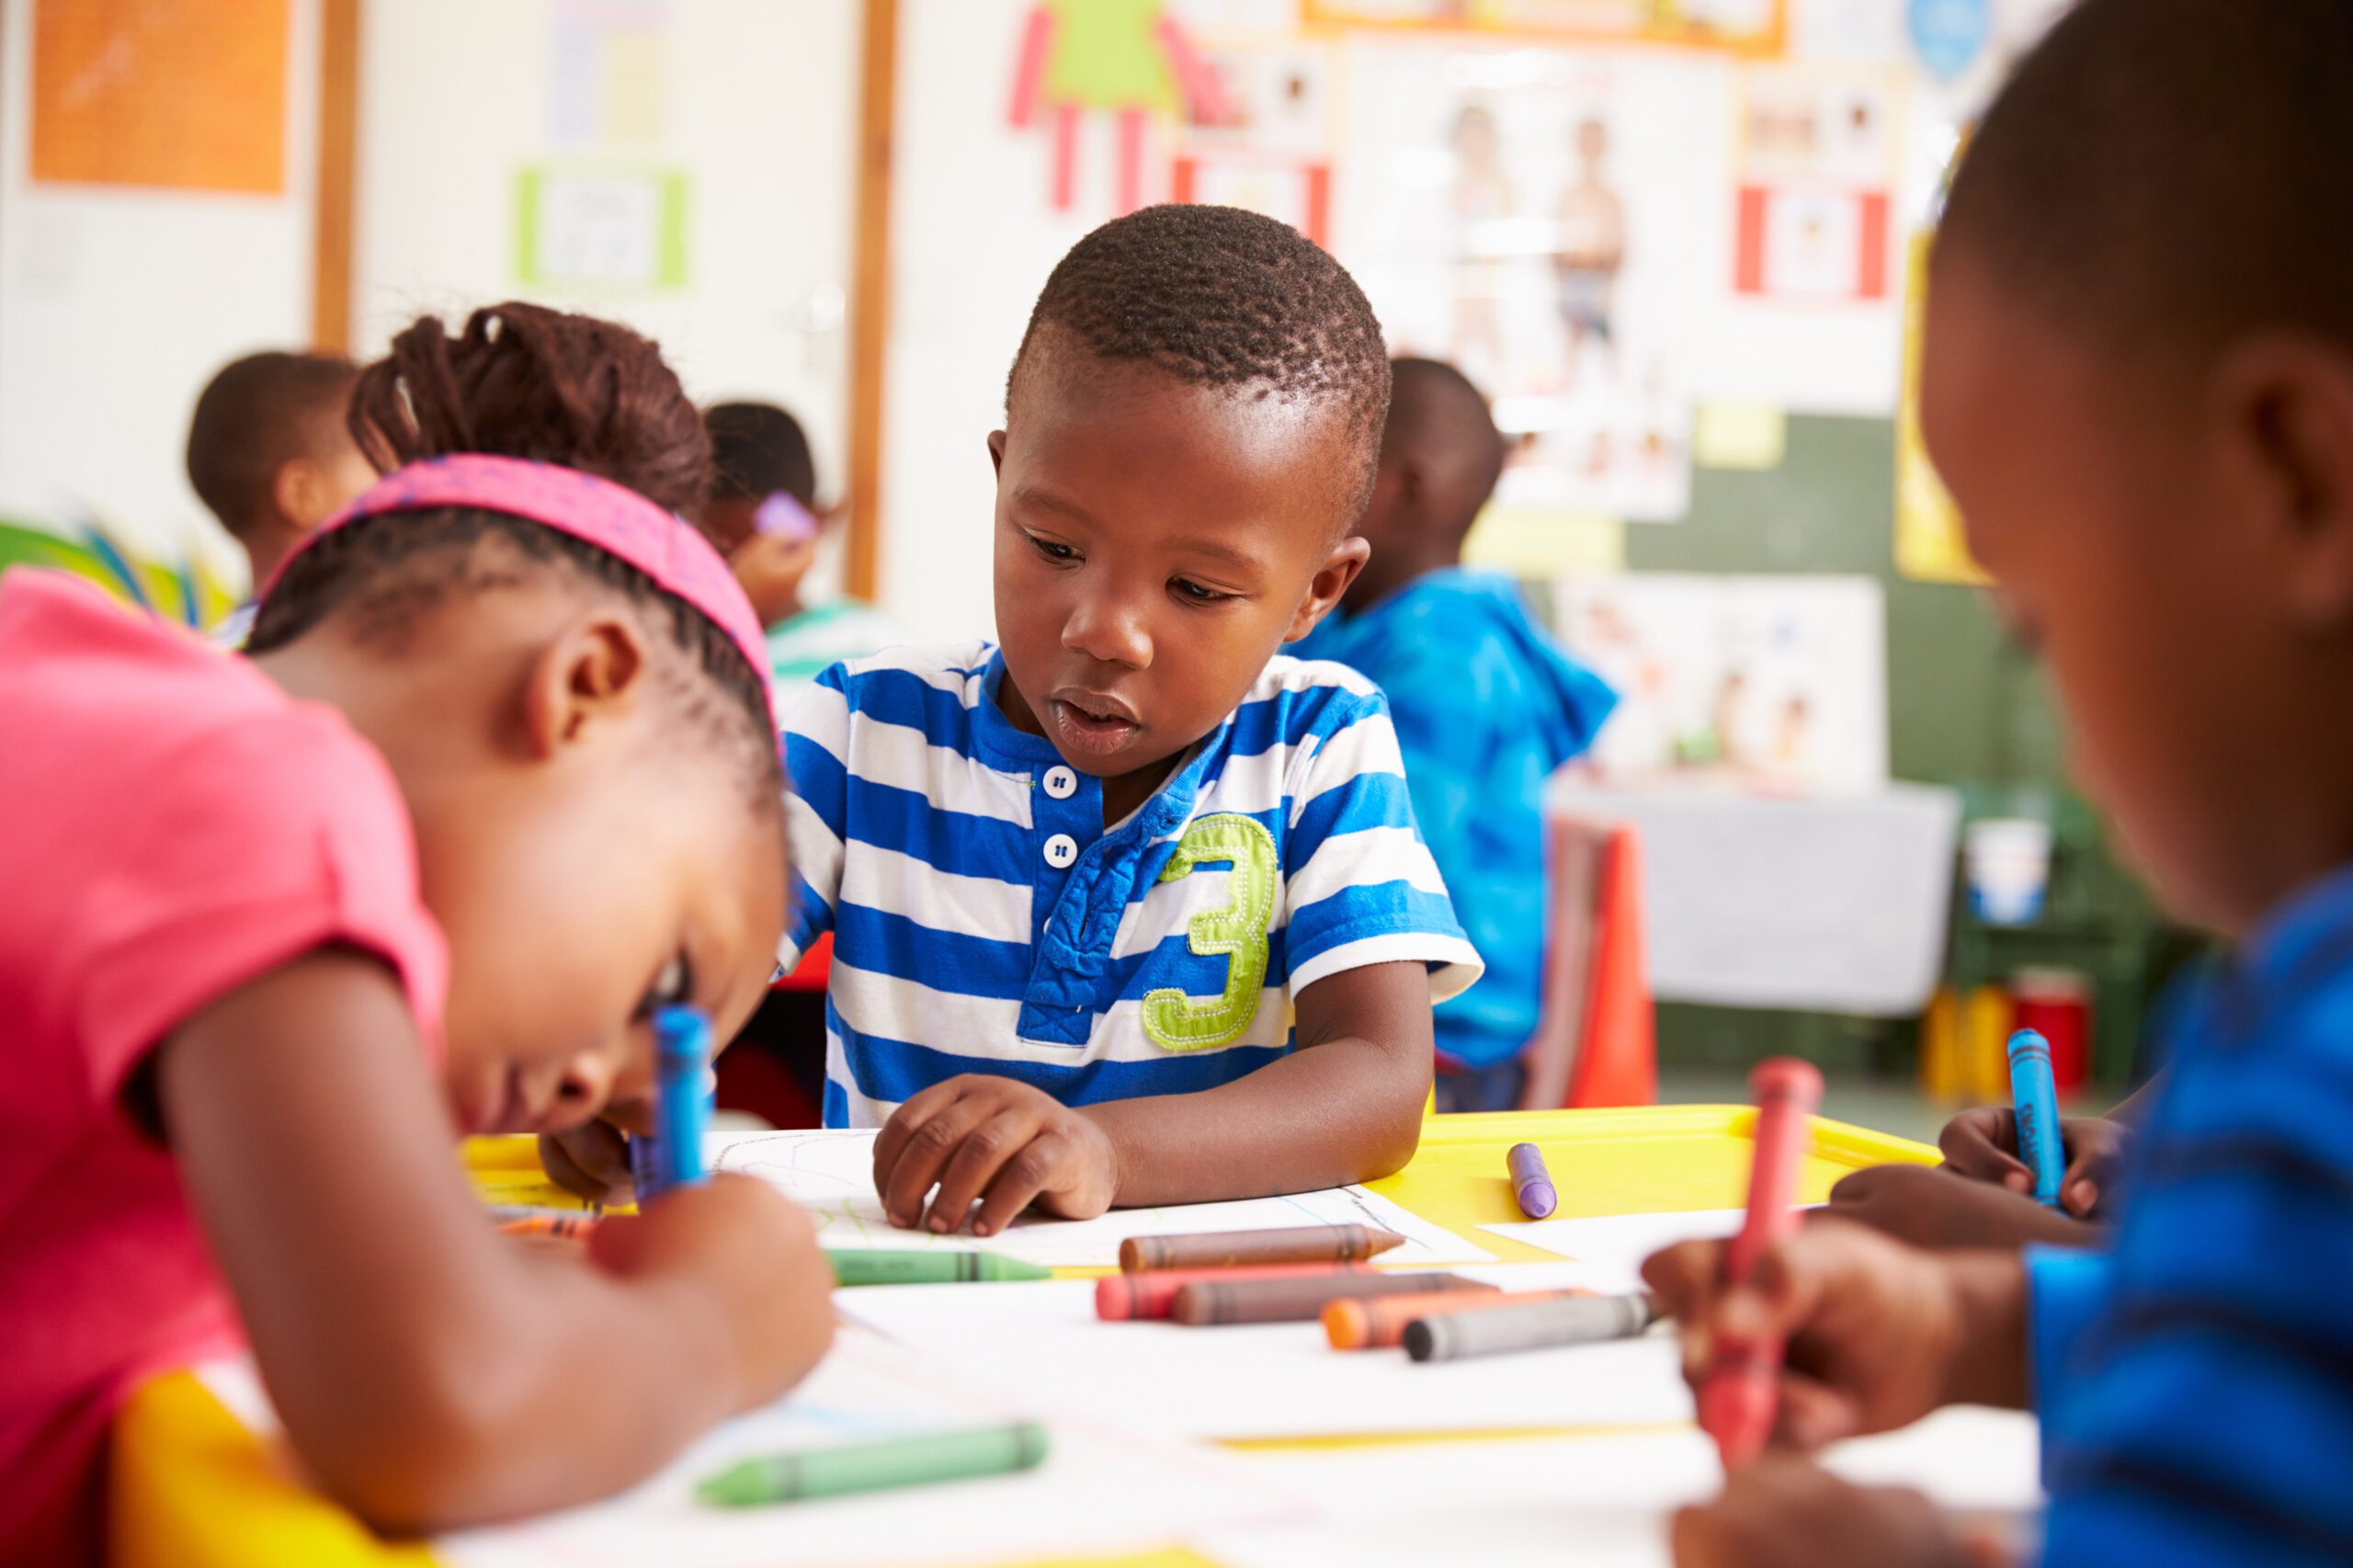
[1238, 932]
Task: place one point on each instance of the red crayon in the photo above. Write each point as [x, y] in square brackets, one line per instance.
[1152, 1294]
[1738, 1399]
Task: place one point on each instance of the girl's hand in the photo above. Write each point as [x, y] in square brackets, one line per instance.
[1983, 1144]
[1784, 1511]
[995, 1140]
[1878, 1334]
[591, 1161]
[747, 1254]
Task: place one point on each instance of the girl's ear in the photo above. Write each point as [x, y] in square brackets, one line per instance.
[588, 679]
[1330, 582]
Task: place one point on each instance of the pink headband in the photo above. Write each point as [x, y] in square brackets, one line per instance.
[611, 517]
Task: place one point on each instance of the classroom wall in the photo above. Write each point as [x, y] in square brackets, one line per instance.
[117, 305]
[754, 100]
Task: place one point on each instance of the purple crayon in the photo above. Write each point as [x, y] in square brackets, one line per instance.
[1530, 1182]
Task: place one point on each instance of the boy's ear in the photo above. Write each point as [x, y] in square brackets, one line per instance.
[1330, 582]
[2286, 409]
[997, 451]
[589, 677]
[295, 491]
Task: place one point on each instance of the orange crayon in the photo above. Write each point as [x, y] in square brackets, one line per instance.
[565, 1227]
[1378, 1323]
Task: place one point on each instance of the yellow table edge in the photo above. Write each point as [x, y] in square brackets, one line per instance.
[191, 1485]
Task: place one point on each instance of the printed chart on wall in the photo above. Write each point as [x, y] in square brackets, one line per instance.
[1773, 680]
[1534, 217]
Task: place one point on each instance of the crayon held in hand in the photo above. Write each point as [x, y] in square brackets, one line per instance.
[2041, 1143]
[1530, 1325]
[879, 1267]
[1298, 1301]
[1531, 1184]
[872, 1467]
[1121, 1297]
[1230, 1249]
[1740, 1394]
[1379, 1323]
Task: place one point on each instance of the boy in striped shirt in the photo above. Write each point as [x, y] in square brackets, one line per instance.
[2138, 383]
[1129, 909]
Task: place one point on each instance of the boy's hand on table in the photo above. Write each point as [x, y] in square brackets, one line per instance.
[591, 1161]
[1937, 1208]
[995, 1140]
[1787, 1511]
[1983, 1144]
[1878, 1334]
[748, 1259]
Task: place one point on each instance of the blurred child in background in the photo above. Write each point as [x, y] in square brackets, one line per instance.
[763, 516]
[271, 454]
[1487, 708]
[497, 780]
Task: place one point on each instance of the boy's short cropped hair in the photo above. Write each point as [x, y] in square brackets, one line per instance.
[1220, 297]
[758, 450]
[2163, 176]
[255, 417]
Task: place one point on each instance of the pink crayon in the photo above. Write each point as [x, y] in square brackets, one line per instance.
[1740, 1397]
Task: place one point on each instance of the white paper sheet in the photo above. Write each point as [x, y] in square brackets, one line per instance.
[1612, 1249]
[831, 1173]
[1601, 1500]
[1102, 1491]
[1271, 1379]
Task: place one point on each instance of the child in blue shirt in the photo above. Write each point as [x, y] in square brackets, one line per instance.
[2139, 384]
[1487, 708]
[1128, 908]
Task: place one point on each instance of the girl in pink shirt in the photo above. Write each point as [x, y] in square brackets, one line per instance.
[499, 778]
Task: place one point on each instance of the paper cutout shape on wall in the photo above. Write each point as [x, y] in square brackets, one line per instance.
[1126, 58]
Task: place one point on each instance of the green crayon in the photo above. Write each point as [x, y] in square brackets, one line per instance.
[875, 1467]
[929, 1267]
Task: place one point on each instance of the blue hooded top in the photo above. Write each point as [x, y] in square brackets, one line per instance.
[1487, 707]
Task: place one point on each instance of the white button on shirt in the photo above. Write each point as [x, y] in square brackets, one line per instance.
[1061, 783]
[1060, 850]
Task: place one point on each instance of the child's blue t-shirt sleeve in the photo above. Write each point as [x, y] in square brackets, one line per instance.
[816, 809]
[1361, 887]
[2196, 1391]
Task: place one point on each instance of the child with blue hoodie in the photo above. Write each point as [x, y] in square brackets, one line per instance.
[1486, 706]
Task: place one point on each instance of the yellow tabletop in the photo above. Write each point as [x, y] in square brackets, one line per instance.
[191, 1488]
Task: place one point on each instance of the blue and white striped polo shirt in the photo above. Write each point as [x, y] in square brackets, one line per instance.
[984, 920]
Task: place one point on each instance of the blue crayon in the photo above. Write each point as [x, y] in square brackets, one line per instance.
[2040, 1144]
[673, 1155]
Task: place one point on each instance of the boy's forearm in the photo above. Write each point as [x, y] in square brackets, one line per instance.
[1988, 1362]
[1346, 1110]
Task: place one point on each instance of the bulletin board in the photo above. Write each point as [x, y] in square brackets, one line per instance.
[186, 95]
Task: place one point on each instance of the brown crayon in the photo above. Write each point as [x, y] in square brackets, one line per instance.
[1230, 1249]
[1378, 1323]
[1298, 1301]
[1121, 1297]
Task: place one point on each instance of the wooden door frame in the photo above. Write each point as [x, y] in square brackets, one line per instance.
[869, 292]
